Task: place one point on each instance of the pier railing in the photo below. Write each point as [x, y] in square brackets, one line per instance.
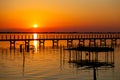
[18, 36]
[92, 37]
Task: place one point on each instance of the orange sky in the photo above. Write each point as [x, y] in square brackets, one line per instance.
[60, 15]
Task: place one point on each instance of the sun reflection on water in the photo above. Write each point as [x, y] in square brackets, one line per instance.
[35, 42]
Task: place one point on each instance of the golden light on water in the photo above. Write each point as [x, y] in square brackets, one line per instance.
[35, 42]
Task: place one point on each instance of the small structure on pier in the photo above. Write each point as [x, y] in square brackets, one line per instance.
[89, 58]
[91, 53]
[92, 48]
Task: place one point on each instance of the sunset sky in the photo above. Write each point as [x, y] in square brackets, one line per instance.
[60, 15]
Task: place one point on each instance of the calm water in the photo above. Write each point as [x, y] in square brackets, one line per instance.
[50, 64]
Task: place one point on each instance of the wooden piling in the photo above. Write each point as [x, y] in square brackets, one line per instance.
[21, 48]
[55, 43]
[69, 43]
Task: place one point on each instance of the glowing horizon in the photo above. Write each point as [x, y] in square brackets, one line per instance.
[60, 14]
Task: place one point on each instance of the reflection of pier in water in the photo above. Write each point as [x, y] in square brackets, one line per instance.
[15, 56]
[83, 59]
[79, 59]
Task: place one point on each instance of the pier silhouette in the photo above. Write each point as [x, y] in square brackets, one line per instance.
[55, 37]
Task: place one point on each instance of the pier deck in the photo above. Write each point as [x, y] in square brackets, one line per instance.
[55, 37]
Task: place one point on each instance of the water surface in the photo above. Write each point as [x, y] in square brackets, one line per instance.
[50, 64]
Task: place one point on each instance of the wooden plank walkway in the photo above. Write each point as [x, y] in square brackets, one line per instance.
[21, 36]
[55, 37]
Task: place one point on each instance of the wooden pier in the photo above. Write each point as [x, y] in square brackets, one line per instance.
[55, 37]
[85, 59]
[92, 48]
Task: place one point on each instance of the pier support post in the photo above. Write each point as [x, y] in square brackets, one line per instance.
[55, 43]
[80, 56]
[107, 57]
[70, 56]
[41, 43]
[27, 44]
[12, 44]
[89, 56]
[81, 42]
[69, 43]
[102, 42]
[96, 56]
[113, 57]
[92, 42]
[114, 42]
[21, 48]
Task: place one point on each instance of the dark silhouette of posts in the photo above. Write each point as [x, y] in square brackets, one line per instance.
[27, 44]
[81, 42]
[94, 73]
[28, 49]
[69, 43]
[114, 42]
[55, 43]
[102, 42]
[92, 37]
[21, 48]
[41, 43]
[12, 44]
[92, 42]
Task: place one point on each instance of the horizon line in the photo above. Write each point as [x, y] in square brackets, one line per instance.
[86, 32]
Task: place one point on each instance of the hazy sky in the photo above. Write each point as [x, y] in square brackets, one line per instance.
[66, 15]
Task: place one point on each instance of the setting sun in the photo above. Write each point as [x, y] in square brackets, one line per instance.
[35, 25]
